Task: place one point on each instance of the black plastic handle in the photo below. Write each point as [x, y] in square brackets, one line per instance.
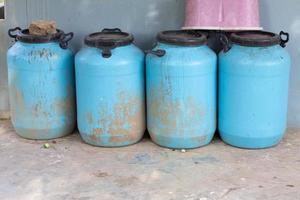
[225, 42]
[282, 40]
[111, 30]
[64, 40]
[158, 52]
[12, 30]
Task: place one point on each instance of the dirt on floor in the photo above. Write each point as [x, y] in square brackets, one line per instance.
[67, 169]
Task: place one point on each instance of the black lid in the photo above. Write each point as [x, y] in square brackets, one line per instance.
[24, 36]
[257, 38]
[108, 38]
[182, 37]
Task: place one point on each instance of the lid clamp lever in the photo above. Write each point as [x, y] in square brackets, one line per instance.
[225, 42]
[11, 31]
[64, 40]
[158, 52]
[106, 49]
[106, 52]
[282, 40]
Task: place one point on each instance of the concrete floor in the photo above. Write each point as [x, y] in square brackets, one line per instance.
[70, 169]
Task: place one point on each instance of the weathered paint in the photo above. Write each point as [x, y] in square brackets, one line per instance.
[110, 96]
[253, 95]
[41, 87]
[181, 96]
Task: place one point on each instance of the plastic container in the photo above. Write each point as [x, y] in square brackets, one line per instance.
[253, 89]
[41, 85]
[110, 89]
[181, 90]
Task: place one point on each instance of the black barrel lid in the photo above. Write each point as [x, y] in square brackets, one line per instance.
[24, 36]
[108, 38]
[258, 38]
[182, 37]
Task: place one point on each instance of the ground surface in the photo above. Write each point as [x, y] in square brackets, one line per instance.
[70, 169]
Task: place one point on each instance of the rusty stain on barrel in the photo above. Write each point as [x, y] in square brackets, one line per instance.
[127, 112]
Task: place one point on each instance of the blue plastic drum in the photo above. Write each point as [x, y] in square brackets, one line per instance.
[110, 89]
[253, 89]
[41, 85]
[181, 90]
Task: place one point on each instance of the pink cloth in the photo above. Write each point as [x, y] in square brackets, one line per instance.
[222, 14]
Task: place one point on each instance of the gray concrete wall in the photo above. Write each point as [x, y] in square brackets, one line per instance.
[279, 15]
[143, 18]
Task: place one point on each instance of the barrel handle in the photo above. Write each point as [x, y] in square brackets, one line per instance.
[64, 41]
[225, 42]
[12, 30]
[111, 30]
[158, 52]
[282, 40]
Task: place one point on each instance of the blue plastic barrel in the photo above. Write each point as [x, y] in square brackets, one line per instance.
[110, 89]
[181, 90]
[253, 89]
[41, 85]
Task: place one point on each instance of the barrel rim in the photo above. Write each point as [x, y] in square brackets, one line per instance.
[108, 39]
[24, 36]
[258, 38]
[183, 37]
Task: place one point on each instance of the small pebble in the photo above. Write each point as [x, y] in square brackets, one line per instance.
[46, 146]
